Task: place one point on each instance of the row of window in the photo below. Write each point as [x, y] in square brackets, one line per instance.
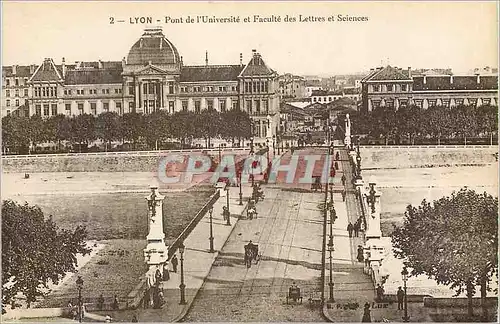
[16, 93]
[431, 102]
[93, 108]
[257, 108]
[389, 87]
[8, 103]
[186, 89]
[256, 86]
[69, 92]
[324, 99]
[16, 81]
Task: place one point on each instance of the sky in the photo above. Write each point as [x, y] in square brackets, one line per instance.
[457, 35]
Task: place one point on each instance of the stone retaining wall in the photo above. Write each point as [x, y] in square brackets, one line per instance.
[384, 157]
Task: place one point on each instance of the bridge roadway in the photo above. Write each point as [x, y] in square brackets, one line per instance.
[288, 232]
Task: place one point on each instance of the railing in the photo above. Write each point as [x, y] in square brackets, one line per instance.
[126, 153]
[191, 226]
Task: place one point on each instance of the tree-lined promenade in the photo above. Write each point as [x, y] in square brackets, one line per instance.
[435, 125]
[150, 131]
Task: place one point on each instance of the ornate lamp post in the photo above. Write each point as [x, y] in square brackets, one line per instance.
[182, 286]
[371, 197]
[220, 153]
[79, 286]
[227, 205]
[358, 165]
[274, 144]
[241, 193]
[267, 145]
[404, 274]
[333, 217]
[211, 238]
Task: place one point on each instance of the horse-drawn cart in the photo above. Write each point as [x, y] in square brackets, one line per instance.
[251, 254]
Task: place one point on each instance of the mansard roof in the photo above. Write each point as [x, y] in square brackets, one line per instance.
[210, 73]
[388, 73]
[94, 76]
[468, 82]
[47, 72]
[22, 71]
[256, 67]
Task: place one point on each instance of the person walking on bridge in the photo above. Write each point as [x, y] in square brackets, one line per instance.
[350, 229]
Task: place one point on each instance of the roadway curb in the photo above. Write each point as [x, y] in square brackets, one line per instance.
[216, 254]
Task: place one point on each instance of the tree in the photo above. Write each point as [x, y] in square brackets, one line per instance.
[15, 133]
[132, 127]
[107, 127]
[35, 252]
[83, 129]
[454, 241]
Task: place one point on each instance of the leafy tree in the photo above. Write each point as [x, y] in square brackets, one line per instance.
[107, 127]
[156, 128]
[37, 132]
[454, 241]
[35, 252]
[15, 133]
[83, 129]
[132, 127]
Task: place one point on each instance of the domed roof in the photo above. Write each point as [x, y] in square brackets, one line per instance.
[153, 47]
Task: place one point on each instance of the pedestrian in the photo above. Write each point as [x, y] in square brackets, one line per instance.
[115, 303]
[134, 319]
[166, 273]
[366, 313]
[401, 295]
[158, 276]
[337, 156]
[336, 165]
[380, 293]
[356, 228]
[350, 228]
[174, 263]
[360, 253]
[343, 195]
[100, 302]
[343, 179]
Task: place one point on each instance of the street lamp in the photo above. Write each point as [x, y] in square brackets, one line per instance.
[241, 193]
[220, 154]
[227, 209]
[267, 144]
[333, 217]
[182, 286]
[404, 274]
[358, 165]
[79, 285]
[211, 238]
[371, 197]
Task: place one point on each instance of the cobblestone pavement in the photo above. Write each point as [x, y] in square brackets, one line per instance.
[288, 232]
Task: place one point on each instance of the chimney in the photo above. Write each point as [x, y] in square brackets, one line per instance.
[32, 68]
[206, 58]
[409, 72]
[425, 79]
[63, 67]
[123, 62]
[478, 78]
[182, 61]
[14, 69]
[99, 64]
[241, 59]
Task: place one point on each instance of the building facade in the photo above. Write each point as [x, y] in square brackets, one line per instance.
[151, 78]
[324, 96]
[394, 87]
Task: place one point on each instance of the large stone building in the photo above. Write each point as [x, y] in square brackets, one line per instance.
[394, 87]
[151, 78]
